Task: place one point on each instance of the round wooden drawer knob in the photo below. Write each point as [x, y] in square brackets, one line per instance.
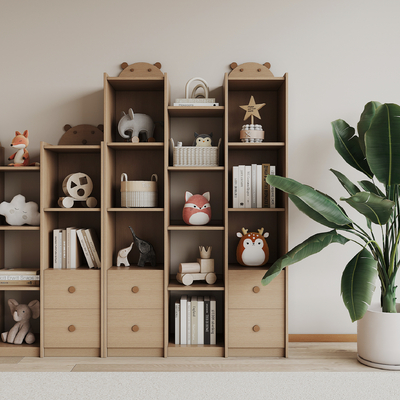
[256, 289]
[256, 328]
[71, 289]
[135, 328]
[71, 328]
[135, 289]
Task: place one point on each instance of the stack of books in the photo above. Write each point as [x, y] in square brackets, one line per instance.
[196, 102]
[72, 245]
[19, 277]
[195, 320]
[249, 188]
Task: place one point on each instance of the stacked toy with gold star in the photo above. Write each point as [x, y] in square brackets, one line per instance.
[252, 133]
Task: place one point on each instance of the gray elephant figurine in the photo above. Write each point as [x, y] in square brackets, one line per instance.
[136, 123]
[146, 250]
[22, 313]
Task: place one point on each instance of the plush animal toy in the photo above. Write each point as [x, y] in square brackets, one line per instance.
[21, 156]
[202, 140]
[197, 209]
[252, 250]
[18, 212]
[22, 314]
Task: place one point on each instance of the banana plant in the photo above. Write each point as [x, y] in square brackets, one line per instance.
[374, 151]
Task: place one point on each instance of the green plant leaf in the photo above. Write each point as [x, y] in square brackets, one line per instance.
[351, 188]
[365, 121]
[370, 187]
[312, 245]
[377, 209]
[358, 284]
[319, 202]
[348, 146]
[382, 141]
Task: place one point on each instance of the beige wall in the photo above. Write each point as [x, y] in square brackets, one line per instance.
[339, 55]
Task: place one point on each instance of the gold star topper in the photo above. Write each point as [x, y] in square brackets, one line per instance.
[252, 110]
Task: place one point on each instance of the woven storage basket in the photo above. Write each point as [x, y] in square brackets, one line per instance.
[138, 193]
[192, 156]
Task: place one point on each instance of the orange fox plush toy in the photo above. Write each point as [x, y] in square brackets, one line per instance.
[20, 142]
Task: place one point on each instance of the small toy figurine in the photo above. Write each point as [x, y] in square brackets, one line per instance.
[22, 330]
[146, 250]
[136, 123]
[203, 140]
[77, 187]
[252, 133]
[252, 250]
[197, 209]
[21, 156]
[203, 269]
[18, 212]
[122, 258]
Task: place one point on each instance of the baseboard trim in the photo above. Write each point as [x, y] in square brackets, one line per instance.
[322, 338]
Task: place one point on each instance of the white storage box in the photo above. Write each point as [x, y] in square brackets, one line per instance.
[138, 193]
[192, 156]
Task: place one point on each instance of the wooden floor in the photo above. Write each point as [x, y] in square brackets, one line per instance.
[303, 357]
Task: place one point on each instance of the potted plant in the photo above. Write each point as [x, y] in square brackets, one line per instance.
[375, 153]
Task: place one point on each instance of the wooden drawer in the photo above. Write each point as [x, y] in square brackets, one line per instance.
[246, 290]
[71, 328]
[71, 288]
[148, 331]
[243, 331]
[137, 288]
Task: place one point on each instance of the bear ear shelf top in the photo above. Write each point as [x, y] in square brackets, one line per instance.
[141, 70]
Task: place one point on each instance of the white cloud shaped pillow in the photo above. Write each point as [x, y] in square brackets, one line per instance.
[18, 212]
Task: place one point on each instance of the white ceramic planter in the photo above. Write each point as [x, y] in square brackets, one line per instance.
[378, 338]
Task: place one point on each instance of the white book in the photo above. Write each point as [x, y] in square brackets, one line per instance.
[253, 185]
[259, 186]
[71, 251]
[235, 177]
[200, 320]
[94, 246]
[194, 320]
[189, 321]
[247, 190]
[85, 249]
[183, 310]
[272, 190]
[64, 248]
[57, 248]
[196, 104]
[177, 321]
[196, 100]
[241, 181]
[213, 320]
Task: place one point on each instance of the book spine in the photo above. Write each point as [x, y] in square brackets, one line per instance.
[247, 186]
[206, 320]
[194, 320]
[265, 172]
[235, 177]
[183, 310]
[259, 186]
[189, 321]
[56, 249]
[31, 282]
[200, 320]
[272, 189]
[253, 185]
[213, 321]
[196, 100]
[241, 186]
[94, 247]
[196, 104]
[64, 249]
[177, 321]
[85, 249]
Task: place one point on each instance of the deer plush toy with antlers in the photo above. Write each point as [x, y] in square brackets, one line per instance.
[252, 250]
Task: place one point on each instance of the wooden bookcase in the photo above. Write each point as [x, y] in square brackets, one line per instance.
[129, 311]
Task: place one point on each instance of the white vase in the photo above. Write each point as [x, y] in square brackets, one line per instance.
[378, 338]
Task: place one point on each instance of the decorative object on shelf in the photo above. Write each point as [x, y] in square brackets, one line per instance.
[21, 157]
[197, 209]
[19, 212]
[201, 270]
[77, 187]
[138, 193]
[122, 259]
[202, 140]
[252, 133]
[82, 135]
[146, 250]
[196, 99]
[136, 124]
[252, 250]
[251, 70]
[141, 70]
[22, 313]
[194, 156]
